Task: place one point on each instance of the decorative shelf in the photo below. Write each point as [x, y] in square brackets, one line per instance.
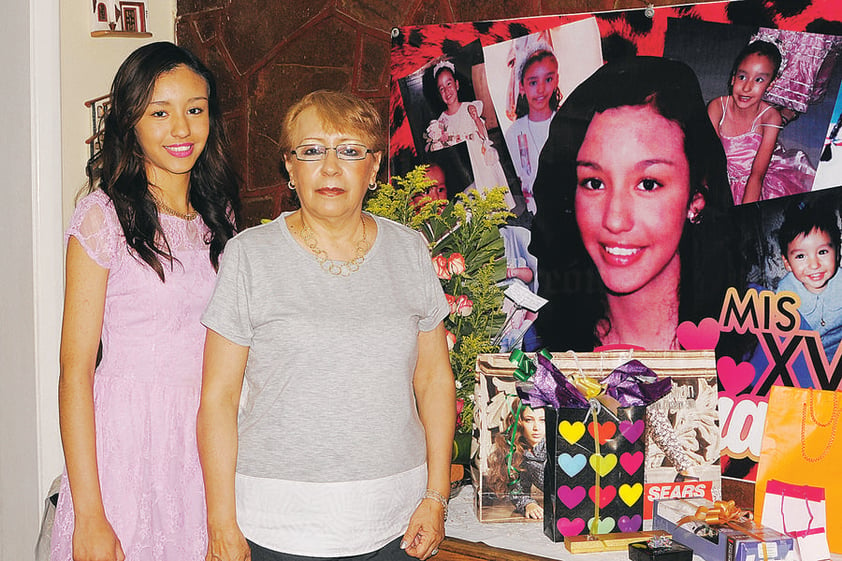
[131, 34]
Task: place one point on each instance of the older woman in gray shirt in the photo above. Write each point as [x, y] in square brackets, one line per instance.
[334, 318]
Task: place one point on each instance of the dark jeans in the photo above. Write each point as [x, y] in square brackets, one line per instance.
[390, 552]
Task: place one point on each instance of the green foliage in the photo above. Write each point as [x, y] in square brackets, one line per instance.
[467, 226]
[394, 200]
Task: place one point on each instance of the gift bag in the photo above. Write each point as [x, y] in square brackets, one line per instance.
[686, 431]
[508, 449]
[682, 440]
[594, 475]
[595, 432]
[683, 446]
[801, 446]
[798, 511]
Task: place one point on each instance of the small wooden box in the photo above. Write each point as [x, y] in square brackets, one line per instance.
[608, 542]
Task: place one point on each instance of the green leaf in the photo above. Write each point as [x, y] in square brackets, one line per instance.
[468, 225]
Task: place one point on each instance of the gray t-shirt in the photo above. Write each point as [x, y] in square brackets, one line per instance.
[331, 358]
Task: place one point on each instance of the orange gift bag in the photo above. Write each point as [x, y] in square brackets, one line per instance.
[802, 446]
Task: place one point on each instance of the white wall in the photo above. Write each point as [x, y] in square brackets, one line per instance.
[44, 84]
[30, 254]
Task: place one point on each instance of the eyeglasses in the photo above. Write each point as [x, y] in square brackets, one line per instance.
[315, 152]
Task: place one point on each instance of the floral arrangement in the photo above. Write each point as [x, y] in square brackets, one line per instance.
[468, 257]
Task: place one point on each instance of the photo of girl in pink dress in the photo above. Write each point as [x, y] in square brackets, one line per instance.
[759, 168]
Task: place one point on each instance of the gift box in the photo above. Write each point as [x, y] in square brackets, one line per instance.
[718, 531]
[659, 549]
[688, 421]
[609, 542]
[507, 472]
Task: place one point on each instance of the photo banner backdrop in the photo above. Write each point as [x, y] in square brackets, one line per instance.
[780, 331]
[537, 105]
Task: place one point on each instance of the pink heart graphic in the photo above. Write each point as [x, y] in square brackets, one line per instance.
[571, 497]
[631, 461]
[627, 524]
[570, 527]
[700, 338]
[606, 495]
[734, 377]
[632, 431]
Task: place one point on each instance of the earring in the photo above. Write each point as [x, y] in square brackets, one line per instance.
[693, 217]
[372, 186]
[291, 185]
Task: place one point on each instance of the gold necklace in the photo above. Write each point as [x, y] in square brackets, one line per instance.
[332, 266]
[162, 206]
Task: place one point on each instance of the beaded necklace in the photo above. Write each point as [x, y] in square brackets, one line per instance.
[333, 266]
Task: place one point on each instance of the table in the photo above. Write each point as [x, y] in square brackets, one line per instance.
[470, 540]
[454, 549]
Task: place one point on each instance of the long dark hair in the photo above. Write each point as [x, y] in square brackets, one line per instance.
[499, 478]
[567, 276]
[522, 104]
[118, 167]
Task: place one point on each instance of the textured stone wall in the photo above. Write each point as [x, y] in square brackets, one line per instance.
[266, 54]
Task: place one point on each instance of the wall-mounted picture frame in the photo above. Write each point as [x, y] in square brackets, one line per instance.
[97, 107]
[119, 18]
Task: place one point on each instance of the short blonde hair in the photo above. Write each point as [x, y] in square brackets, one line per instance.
[338, 112]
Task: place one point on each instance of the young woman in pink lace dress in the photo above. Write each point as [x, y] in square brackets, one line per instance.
[142, 253]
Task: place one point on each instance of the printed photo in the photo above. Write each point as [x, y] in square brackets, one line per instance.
[529, 78]
[829, 171]
[632, 173]
[449, 105]
[770, 94]
[511, 452]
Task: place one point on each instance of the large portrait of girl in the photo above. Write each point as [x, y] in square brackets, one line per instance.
[632, 170]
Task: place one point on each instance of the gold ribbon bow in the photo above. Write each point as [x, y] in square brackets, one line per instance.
[588, 387]
[726, 513]
[721, 513]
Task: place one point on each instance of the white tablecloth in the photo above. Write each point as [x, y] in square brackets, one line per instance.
[527, 537]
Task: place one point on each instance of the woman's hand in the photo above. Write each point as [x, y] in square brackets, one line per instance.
[534, 511]
[95, 540]
[216, 433]
[426, 530]
[84, 304]
[435, 393]
[227, 544]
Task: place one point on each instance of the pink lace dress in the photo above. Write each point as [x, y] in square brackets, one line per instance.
[146, 390]
[789, 171]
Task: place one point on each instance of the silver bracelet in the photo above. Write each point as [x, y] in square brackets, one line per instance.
[438, 497]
